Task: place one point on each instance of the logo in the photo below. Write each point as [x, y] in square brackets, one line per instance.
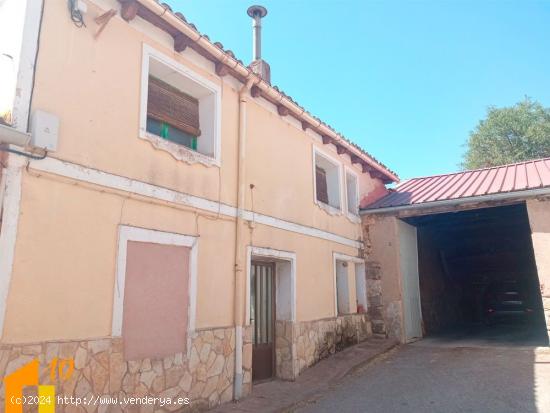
[29, 375]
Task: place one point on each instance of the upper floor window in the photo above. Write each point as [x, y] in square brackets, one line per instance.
[172, 114]
[352, 193]
[327, 181]
[180, 109]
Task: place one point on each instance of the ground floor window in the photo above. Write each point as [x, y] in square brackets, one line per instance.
[350, 285]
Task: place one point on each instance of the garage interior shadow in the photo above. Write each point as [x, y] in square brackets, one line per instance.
[474, 266]
[464, 259]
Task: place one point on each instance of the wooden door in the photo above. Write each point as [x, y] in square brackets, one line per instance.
[263, 316]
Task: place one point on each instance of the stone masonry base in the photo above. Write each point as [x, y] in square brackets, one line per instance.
[300, 345]
[204, 374]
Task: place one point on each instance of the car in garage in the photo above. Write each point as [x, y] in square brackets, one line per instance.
[507, 301]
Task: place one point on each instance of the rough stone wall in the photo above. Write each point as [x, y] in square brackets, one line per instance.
[382, 271]
[205, 376]
[285, 350]
[375, 306]
[316, 340]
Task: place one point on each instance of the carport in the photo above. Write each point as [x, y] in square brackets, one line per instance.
[463, 256]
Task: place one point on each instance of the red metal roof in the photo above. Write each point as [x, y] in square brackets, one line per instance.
[479, 182]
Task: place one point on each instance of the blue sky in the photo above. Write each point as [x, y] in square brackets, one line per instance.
[405, 80]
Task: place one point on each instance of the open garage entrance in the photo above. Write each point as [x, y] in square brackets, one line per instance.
[477, 276]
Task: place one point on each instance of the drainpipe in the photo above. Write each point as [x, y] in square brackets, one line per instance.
[12, 136]
[240, 265]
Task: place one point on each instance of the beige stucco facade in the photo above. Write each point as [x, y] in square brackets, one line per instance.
[67, 210]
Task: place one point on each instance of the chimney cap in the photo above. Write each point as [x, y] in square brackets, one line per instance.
[256, 10]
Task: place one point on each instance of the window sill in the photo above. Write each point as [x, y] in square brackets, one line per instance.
[329, 209]
[179, 152]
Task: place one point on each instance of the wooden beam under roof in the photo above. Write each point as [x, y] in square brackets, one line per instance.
[129, 9]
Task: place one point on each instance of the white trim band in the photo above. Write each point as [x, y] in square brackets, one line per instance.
[121, 183]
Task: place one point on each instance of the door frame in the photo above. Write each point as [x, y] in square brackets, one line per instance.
[276, 256]
[280, 257]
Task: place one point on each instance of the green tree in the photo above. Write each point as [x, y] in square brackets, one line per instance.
[511, 134]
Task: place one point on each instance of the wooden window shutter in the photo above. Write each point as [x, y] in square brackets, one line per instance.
[167, 104]
[321, 184]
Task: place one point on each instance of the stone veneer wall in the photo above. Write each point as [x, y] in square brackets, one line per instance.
[374, 297]
[302, 344]
[205, 377]
[247, 359]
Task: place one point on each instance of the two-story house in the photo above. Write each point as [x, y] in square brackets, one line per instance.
[171, 221]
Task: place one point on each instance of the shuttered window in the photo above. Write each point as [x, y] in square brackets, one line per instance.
[321, 184]
[172, 114]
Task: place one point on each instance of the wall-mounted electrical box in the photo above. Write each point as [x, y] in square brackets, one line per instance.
[44, 130]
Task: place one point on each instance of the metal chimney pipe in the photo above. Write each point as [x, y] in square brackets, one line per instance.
[256, 12]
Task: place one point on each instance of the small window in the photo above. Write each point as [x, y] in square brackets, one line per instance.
[342, 288]
[172, 114]
[351, 192]
[351, 286]
[321, 182]
[327, 181]
[361, 287]
[180, 111]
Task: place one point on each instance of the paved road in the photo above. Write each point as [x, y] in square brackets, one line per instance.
[432, 377]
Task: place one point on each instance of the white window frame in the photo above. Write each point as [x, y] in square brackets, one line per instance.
[336, 256]
[129, 233]
[179, 152]
[276, 255]
[328, 208]
[354, 217]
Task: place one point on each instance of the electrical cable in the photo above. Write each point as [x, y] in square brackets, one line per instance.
[76, 15]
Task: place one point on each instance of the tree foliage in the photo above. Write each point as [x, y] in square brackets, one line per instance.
[511, 134]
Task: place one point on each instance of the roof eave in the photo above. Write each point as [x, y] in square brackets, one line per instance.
[237, 69]
[529, 193]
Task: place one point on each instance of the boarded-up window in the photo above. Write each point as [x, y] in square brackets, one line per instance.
[321, 184]
[156, 300]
